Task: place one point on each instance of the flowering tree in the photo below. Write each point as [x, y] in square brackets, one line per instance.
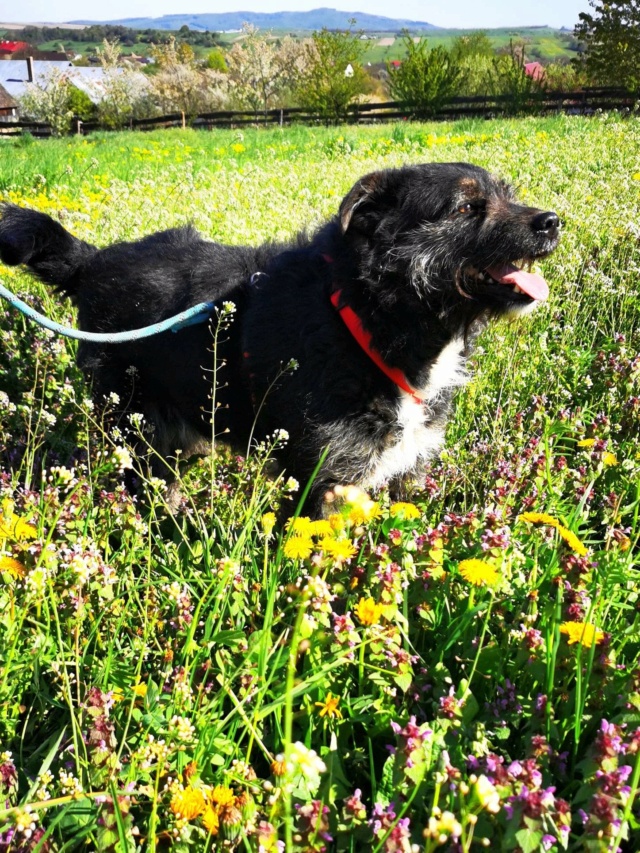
[181, 84]
[49, 99]
[121, 92]
[262, 70]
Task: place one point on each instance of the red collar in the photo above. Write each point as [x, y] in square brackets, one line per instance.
[354, 324]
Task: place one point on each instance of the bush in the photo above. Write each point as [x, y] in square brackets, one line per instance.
[333, 77]
[426, 79]
[510, 79]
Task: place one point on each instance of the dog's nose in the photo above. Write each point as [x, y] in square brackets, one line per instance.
[548, 221]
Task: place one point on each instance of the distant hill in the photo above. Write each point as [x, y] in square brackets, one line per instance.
[315, 19]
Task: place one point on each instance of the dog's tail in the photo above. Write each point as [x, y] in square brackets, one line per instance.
[37, 240]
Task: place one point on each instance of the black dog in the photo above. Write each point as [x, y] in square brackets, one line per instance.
[378, 309]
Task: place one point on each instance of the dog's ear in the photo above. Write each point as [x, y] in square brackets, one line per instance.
[368, 190]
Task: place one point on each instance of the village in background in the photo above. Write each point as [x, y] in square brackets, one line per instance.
[110, 75]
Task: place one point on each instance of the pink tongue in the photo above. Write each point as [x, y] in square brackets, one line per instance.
[529, 282]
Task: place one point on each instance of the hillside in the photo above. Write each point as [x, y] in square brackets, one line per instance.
[314, 19]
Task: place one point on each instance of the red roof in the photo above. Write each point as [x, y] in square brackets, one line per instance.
[534, 69]
[12, 46]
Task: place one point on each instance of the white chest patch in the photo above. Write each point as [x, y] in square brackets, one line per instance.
[418, 439]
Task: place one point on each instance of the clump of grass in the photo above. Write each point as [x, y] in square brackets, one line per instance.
[455, 672]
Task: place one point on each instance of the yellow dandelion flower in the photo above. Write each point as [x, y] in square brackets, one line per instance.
[582, 632]
[298, 547]
[336, 521]
[301, 526]
[211, 821]
[572, 540]
[329, 708]
[13, 527]
[222, 797]
[117, 694]
[363, 512]
[188, 803]
[339, 549]
[322, 527]
[139, 689]
[586, 442]
[23, 530]
[539, 518]
[268, 522]
[609, 458]
[405, 510]
[279, 766]
[368, 612]
[478, 572]
[13, 567]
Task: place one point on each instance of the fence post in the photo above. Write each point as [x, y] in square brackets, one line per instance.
[78, 122]
[281, 117]
[184, 120]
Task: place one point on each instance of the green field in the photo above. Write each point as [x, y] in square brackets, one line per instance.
[542, 43]
[460, 672]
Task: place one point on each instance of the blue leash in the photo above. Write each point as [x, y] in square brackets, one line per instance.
[196, 314]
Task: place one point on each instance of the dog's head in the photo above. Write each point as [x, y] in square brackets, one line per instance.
[453, 233]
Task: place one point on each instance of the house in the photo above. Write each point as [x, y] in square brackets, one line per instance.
[8, 106]
[92, 81]
[8, 48]
[16, 75]
[534, 70]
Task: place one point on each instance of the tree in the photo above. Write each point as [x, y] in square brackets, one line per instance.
[181, 84]
[473, 45]
[425, 79]
[611, 42]
[49, 99]
[215, 61]
[262, 70]
[333, 76]
[475, 55]
[120, 91]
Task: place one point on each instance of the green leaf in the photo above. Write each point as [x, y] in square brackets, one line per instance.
[529, 840]
[386, 787]
[404, 680]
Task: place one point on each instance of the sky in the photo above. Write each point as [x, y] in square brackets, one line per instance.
[454, 13]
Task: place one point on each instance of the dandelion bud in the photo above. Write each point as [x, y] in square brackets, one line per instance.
[231, 823]
[247, 805]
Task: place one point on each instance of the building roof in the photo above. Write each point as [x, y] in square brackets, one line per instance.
[92, 80]
[14, 73]
[14, 76]
[534, 69]
[6, 101]
[17, 71]
[12, 46]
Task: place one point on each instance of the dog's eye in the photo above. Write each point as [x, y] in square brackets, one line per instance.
[467, 207]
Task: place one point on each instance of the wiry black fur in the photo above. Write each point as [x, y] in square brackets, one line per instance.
[403, 250]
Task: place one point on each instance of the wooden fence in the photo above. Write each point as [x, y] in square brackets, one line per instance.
[585, 102]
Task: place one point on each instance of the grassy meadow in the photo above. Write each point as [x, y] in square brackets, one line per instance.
[459, 672]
